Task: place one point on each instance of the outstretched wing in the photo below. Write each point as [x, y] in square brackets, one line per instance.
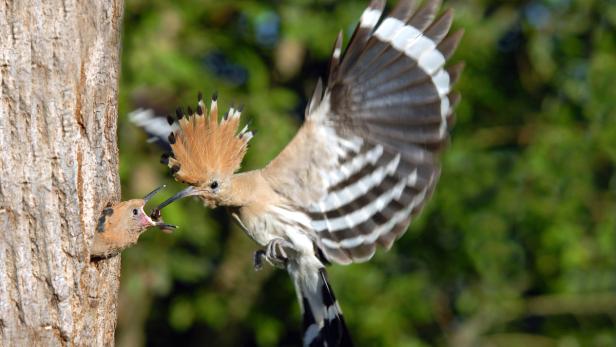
[157, 127]
[365, 161]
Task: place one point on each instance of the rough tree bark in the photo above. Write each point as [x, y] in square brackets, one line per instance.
[59, 68]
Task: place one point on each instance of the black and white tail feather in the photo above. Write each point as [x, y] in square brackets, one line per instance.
[323, 323]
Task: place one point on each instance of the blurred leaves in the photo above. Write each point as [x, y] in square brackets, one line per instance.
[517, 246]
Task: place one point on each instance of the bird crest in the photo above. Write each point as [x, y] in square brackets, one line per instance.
[204, 146]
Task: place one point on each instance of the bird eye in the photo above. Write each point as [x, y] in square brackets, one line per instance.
[214, 185]
[135, 211]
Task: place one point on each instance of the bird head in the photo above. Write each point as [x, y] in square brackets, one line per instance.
[120, 225]
[206, 152]
[128, 216]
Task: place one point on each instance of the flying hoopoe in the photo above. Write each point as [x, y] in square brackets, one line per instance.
[362, 165]
[120, 225]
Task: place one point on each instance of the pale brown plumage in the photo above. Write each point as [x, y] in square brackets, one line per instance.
[120, 225]
[362, 166]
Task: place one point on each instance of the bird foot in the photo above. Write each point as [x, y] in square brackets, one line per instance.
[275, 253]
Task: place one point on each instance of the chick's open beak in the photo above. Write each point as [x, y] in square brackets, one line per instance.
[154, 218]
[167, 228]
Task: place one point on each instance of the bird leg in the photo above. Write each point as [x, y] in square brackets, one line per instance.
[275, 254]
[258, 259]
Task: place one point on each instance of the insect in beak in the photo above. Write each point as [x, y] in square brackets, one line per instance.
[167, 228]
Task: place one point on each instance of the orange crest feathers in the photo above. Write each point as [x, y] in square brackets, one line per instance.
[204, 147]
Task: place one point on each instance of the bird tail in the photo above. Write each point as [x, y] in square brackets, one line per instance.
[323, 323]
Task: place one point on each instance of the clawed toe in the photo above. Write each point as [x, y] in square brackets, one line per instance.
[275, 253]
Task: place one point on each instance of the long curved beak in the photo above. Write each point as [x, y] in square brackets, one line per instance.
[152, 193]
[190, 191]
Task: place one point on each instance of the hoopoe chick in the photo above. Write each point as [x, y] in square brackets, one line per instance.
[119, 226]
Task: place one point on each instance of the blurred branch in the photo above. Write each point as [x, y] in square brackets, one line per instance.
[603, 303]
[514, 340]
[469, 333]
[503, 135]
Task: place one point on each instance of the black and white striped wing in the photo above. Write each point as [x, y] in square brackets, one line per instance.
[378, 127]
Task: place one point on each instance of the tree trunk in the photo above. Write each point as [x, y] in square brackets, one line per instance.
[59, 68]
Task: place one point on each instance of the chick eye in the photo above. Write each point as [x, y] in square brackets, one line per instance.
[214, 185]
[135, 211]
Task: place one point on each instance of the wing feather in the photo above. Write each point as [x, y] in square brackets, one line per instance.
[367, 154]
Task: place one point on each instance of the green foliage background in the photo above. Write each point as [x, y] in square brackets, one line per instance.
[517, 246]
